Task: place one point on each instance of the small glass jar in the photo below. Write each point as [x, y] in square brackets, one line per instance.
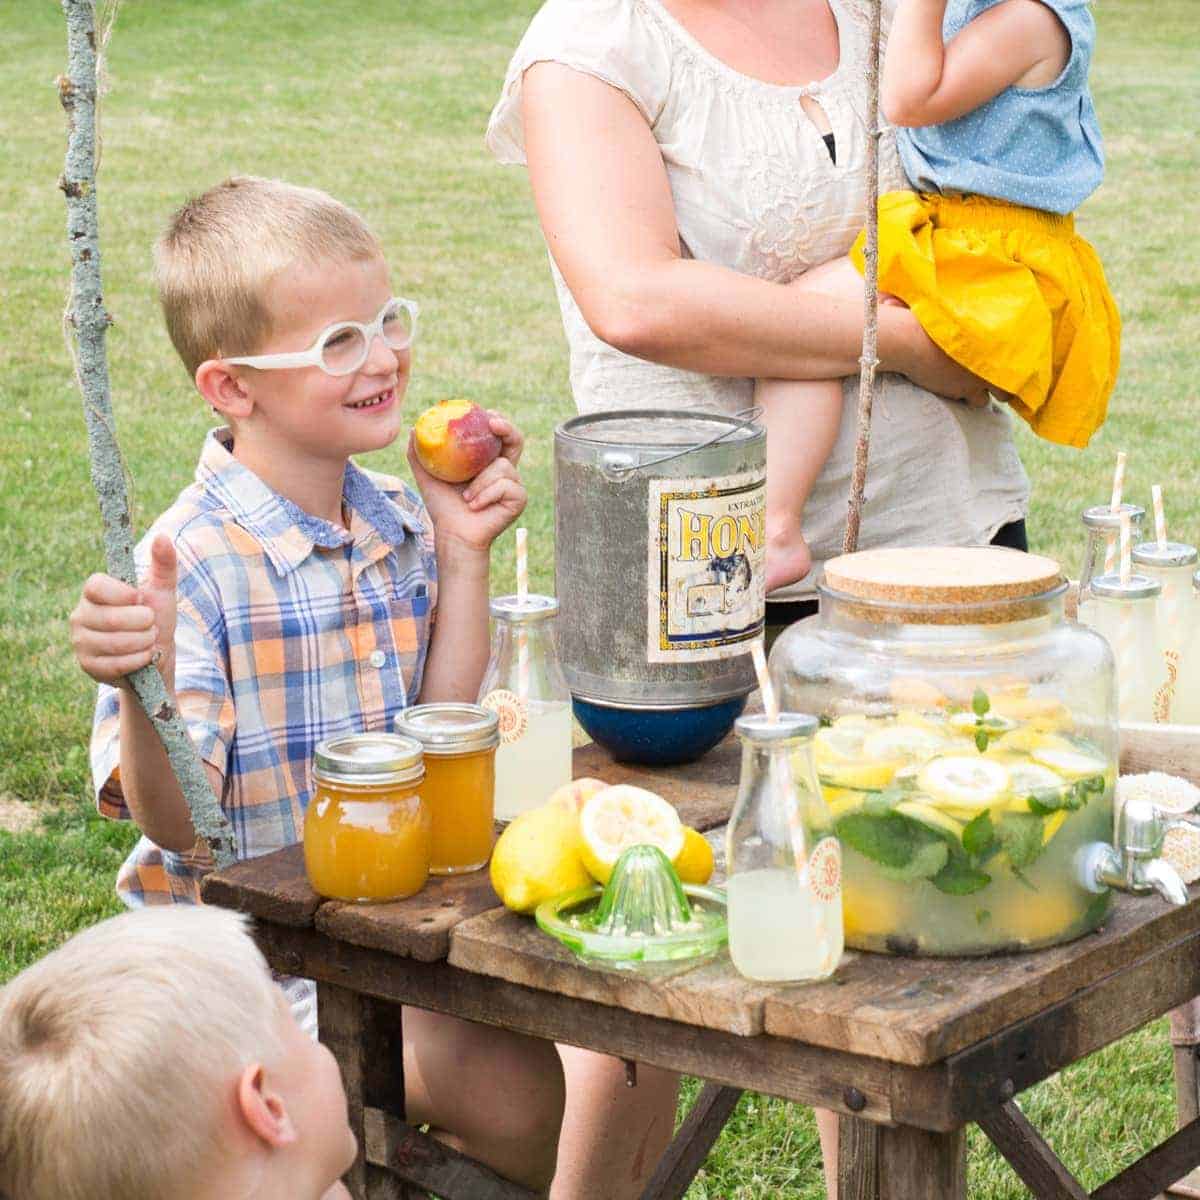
[524, 685]
[1173, 564]
[460, 743]
[1125, 614]
[1186, 708]
[783, 862]
[1102, 525]
[366, 830]
[968, 747]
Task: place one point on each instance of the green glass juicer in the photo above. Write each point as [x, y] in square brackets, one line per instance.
[641, 918]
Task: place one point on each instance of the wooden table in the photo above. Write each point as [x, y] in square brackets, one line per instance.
[908, 1051]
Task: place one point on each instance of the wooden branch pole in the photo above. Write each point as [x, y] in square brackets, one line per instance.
[869, 360]
[78, 92]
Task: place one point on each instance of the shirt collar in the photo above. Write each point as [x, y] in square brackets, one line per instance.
[286, 532]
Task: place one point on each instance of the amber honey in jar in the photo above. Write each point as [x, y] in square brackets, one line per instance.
[459, 741]
[367, 829]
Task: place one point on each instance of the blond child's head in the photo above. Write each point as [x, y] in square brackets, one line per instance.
[153, 1056]
[279, 302]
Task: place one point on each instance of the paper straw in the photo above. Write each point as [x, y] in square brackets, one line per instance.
[1110, 548]
[522, 594]
[1160, 517]
[1126, 660]
[1126, 555]
[770, 703]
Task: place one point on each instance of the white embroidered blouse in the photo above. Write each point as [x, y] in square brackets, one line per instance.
[755, 190]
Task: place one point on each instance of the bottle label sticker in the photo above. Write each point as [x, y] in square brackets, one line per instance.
[825, 870]
[706, 567]
[510, 708]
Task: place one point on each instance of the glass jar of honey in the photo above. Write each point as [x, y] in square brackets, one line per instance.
[460, 743]
[367, 829]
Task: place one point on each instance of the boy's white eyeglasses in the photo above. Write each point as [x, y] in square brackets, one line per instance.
[343, 348]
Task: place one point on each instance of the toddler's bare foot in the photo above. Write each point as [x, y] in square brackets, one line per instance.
[788, 556]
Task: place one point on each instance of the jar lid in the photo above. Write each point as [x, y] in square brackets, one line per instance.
[523, 612]
[368, 758]
[1136, 587]
[450, 728]
[1165, 554]
[1102, 516]
[758, 727]
[943, 585]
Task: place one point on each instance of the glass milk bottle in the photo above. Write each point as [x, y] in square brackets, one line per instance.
[525, 687]
[1125, 615]
[1103, 527]
[1172, 564]
[1186, 709]
[783, 862]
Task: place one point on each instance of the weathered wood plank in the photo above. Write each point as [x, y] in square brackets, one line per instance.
[1155, 1171]
[1174, 749]
[1026, 1151]
[273, 888]
[418, 927]
[344, 1032]
[920, 1011]
[807, 1074]
[416, 1158]
[876, 1162]
[693, 1140]
[510, 947]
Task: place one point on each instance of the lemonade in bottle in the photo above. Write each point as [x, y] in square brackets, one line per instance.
[783, 860]
[1186, 709]
[525, 687]
[1172, 564]
[1124, 612]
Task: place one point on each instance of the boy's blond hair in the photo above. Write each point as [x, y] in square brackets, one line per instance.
[119, 1052]
[215, 263]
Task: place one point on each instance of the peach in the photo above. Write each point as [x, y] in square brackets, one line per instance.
[574, 795]
[454, 440]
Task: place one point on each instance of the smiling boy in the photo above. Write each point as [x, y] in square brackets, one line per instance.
[289, 595]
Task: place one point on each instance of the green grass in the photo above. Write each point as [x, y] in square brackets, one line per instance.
[385, 105]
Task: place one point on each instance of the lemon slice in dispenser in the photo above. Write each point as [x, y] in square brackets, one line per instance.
[906, 743]
[964, 781]
[842, 760]
[1070, 764]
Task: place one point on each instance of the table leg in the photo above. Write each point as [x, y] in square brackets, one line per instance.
[879, 1162]
[690, 1146]
[1185, 1041]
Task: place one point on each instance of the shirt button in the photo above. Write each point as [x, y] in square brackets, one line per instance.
[377, 659]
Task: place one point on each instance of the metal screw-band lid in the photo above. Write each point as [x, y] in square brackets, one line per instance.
[523, 611]
[758, 727]
[1164, 554]
[449, 729]
[1136, 587]
[1101, 516]
[367, 759]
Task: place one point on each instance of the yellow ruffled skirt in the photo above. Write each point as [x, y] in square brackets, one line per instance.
[1013, 295]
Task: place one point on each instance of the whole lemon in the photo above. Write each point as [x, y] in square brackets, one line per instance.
[537, 858]
[695, 861]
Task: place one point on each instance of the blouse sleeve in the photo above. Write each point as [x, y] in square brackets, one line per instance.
[611, 40]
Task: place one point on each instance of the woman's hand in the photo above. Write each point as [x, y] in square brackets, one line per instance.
[904, 347]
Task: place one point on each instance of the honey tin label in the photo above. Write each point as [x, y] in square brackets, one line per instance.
[511, 711]
[706, 567]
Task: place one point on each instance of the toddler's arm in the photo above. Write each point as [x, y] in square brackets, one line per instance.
[926, 81]
[466, 521]
[115, 629]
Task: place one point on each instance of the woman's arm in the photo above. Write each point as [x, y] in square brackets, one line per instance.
[926, 81]
[605, 206]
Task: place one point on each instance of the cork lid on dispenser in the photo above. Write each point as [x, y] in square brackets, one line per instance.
[943, 585]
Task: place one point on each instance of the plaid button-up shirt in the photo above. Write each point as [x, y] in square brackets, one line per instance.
[290, 630]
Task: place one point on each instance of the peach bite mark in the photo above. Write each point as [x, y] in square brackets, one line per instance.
[454, 440]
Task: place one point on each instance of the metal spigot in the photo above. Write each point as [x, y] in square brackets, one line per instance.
[1136, 863]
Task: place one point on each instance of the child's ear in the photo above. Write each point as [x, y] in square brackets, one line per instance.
[263, 1109]
[223, 389]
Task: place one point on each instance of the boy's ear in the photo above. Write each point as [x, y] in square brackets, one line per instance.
[223, 389]
[263, 1109]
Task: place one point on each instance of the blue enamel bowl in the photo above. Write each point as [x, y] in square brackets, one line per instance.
[658, 736]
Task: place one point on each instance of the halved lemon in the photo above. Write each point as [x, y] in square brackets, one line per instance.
[622, 816]
[1071, 764]
[842, 761]
[970, 783]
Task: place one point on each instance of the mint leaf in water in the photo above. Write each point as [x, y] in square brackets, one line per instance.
[885, 838]
[980, 704]
[979, 837]
[1021, 835]
[928, 859]
[959, 878]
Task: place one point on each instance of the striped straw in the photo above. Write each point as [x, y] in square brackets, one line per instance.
[1160, 517]
[770, 702]
[522, 593]
[1110, 549]
[1126, 553]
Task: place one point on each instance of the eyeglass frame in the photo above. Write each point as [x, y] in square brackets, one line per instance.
[312, 356]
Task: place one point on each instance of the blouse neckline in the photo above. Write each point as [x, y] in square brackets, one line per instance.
[813, 87]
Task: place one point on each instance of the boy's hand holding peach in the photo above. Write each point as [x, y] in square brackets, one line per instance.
[477, 512]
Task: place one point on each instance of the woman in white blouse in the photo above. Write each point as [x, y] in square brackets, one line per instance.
[688, 159]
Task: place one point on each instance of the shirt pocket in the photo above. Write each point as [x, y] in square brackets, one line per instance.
[409, 619]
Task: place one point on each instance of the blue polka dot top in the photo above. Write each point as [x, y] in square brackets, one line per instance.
[1038, 147]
